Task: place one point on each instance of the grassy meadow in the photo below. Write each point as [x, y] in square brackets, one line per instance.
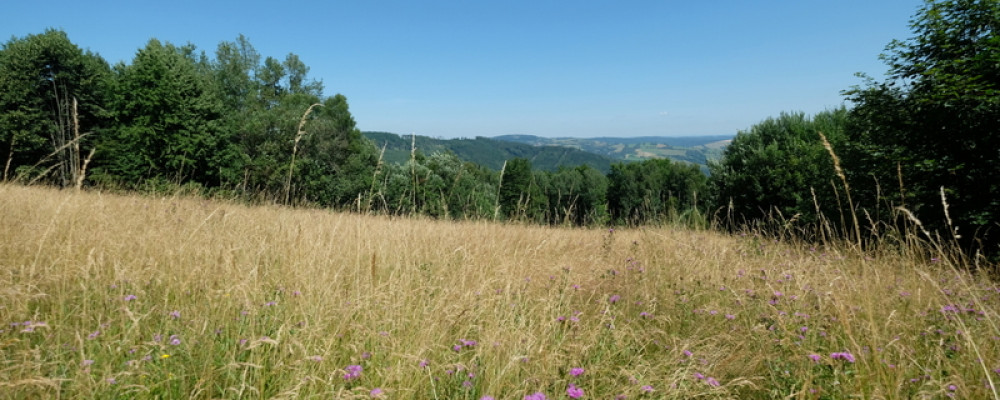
[112, 296]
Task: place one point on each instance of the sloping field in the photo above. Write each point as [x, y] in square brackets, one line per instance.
[108, 296]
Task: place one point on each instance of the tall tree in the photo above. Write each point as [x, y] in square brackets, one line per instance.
[168, 123]
[779, 168]
[52, 95]
[653, 190]
[931, 125]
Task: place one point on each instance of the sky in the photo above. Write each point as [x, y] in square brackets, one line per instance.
[538, 67]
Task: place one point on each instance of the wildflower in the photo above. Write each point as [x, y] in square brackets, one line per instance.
[376, 393]
[576, 371]
[814, 357]
[93, 335]
[614, 299]
[87, 363]
[536, 396]
[316, 358]
[843, 356]
[647, 388]
[175, 314]
[574, 392]
[175, 340]
[366, 355]
[487, 398]
[711, 381]
[645, 314]
[129, 297]
[164, 356]
[423, 363]
[688, 353]
[270, 303]
[111, 381]
[699, 376]
[352, 372]
[730, 316]
[457, 347]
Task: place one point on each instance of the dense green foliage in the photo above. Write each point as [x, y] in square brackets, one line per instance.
[52, 100]
[653, 190]
[779, 170]
[931, 126]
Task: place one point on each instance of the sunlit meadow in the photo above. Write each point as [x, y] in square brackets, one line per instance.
[110, 296]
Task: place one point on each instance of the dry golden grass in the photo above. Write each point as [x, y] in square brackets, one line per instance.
[112, 296]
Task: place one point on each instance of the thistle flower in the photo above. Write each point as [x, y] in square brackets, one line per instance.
[574, 392]
[576, 371]
[352, 372]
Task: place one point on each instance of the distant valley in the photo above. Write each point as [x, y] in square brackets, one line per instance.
[550, 153]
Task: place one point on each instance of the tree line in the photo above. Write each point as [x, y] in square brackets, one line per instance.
[238, 124]
[919, 148]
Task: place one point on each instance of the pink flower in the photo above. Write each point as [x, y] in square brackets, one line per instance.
[576, 371]
[375, 393]
[352, 372]
[574, 392]
[814, 357]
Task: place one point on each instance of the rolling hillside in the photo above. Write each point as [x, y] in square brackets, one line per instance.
[550, 153]
[692, 149]
[488, 152]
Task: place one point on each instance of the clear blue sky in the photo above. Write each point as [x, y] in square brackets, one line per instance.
[547, 68]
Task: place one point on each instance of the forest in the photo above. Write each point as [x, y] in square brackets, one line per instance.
[916, 149]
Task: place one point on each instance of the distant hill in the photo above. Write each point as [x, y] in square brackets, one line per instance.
[489, 152]
[692, 149]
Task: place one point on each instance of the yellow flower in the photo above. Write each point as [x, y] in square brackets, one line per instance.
[165, 356]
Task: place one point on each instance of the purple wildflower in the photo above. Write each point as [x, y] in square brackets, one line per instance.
[711, 381]
[94, 335]
[352, 372]
[375, 393]
[536, 396]
[576, 371]
[574, 392]
[814, 357]
[614, 299]
[423, 363]
[175, 340]
[129, 297]
[175, 314]
[843, 356]
[647, 388]
[487, 398]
